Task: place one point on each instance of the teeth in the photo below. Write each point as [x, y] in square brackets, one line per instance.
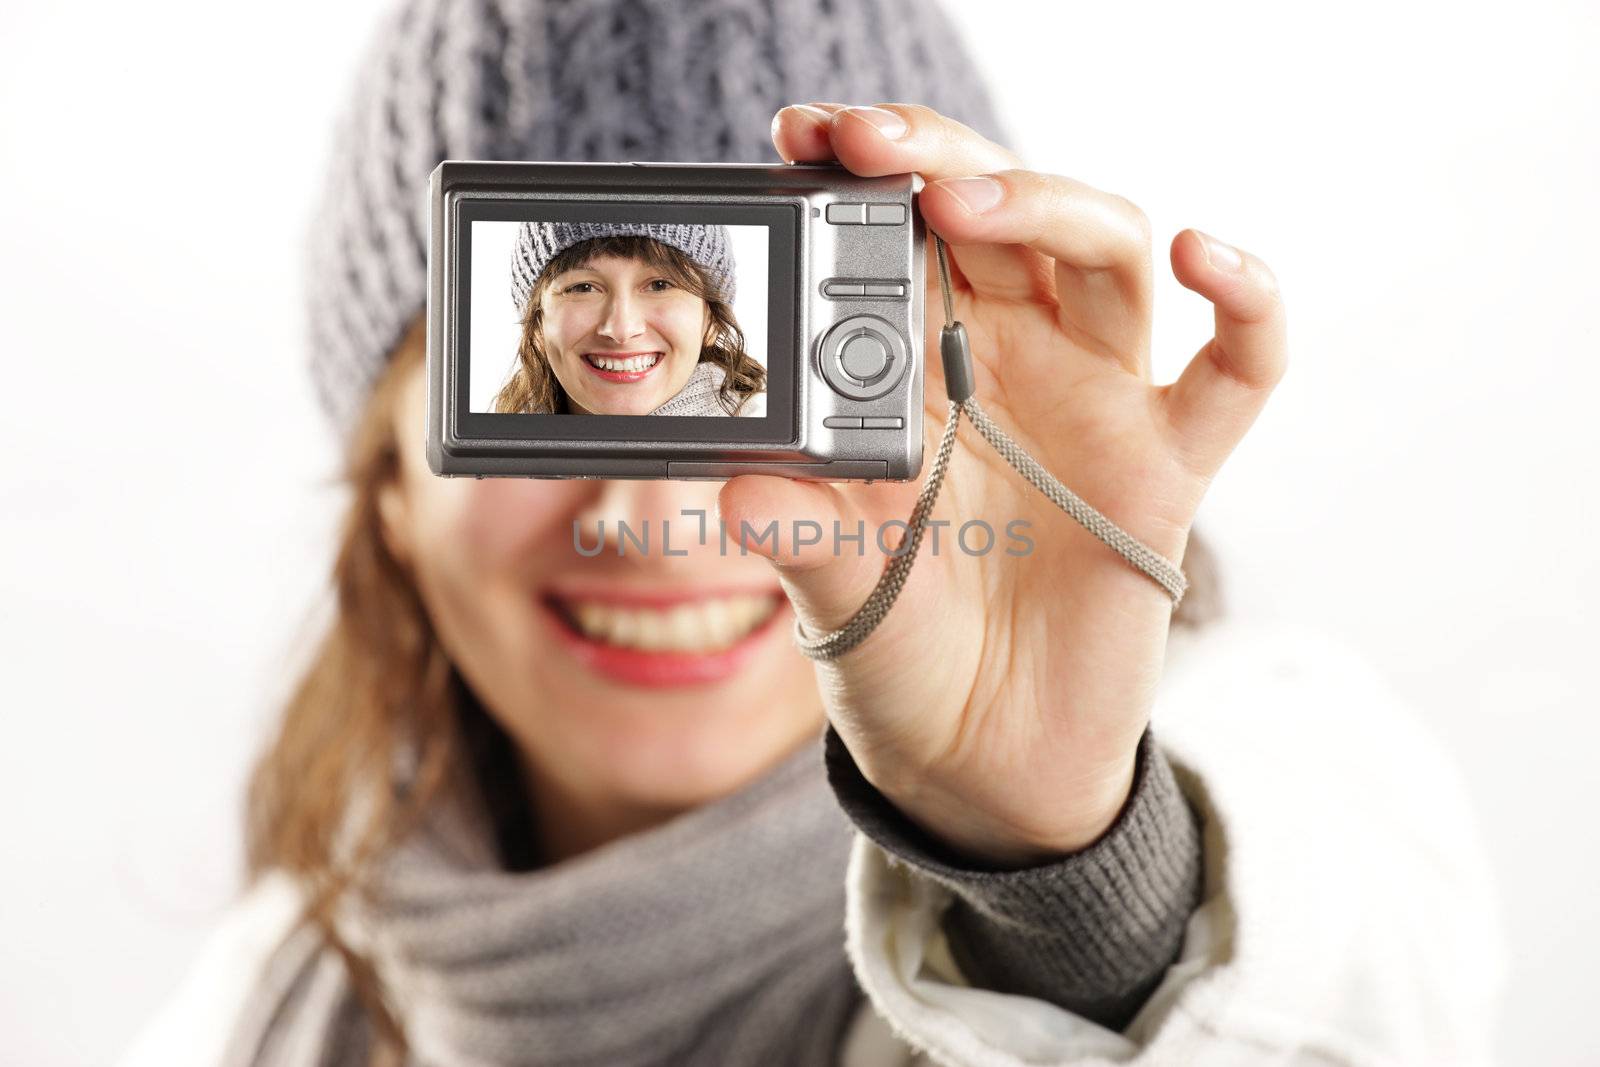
[631, 363]
[703, 626]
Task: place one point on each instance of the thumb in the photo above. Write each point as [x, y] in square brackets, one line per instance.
[823, 546]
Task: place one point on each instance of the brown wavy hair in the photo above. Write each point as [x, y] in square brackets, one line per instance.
[533, 387]
[380, 687]
[379, 690]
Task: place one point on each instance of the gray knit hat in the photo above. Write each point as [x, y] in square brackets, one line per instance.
[540, 242]
[584, 81]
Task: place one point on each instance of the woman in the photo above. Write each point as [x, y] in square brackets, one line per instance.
[496, 828]
[628, 319]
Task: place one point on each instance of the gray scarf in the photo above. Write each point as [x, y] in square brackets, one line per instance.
[715, 938]
[699, 394]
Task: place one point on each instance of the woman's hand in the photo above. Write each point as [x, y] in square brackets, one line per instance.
[1001, 702]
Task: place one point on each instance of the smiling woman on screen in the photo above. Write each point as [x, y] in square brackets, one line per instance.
[627, 319]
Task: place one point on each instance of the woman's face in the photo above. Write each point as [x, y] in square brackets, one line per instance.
[621, 338]
[635, 685]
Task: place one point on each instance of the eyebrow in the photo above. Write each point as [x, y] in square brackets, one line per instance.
[660, 272]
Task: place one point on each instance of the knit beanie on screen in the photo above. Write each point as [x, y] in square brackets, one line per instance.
[540, 242]
[581, 81]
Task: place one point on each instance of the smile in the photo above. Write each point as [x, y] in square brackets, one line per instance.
[709, 624]
[622, 368]
[665, 642]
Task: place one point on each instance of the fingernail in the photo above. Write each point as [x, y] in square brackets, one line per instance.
[885, 122]
[1219, 255]
[977, 195]
[815, 114]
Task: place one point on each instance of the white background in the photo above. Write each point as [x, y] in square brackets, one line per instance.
[1422, 178]
[496, 327]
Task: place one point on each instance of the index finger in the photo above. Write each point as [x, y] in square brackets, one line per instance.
[902, 138]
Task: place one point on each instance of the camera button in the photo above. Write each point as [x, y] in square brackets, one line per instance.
[883, 422]
[883, 289]
[886, 214]
[838, 289]
[864, 357]
[843, 422]
[847, 214]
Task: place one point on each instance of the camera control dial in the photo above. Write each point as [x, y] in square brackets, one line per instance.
[863, 357]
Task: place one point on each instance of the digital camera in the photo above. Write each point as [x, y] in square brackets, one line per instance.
[670, 320]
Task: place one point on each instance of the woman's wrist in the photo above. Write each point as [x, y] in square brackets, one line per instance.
[1087, 810]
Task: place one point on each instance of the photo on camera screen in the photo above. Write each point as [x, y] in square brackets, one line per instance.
[619, 318]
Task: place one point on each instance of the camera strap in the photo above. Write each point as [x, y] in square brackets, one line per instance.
[956, 355]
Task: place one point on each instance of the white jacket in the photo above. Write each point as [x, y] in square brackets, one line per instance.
[1348, 915]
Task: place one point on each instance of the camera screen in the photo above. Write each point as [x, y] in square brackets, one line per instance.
[615, 317]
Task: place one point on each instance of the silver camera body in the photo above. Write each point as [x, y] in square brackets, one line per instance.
[841, 330]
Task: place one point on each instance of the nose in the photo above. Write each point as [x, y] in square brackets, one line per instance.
[623, 319]
[676, 513]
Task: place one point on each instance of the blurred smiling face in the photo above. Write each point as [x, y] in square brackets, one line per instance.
[639, 683]
[620, 337]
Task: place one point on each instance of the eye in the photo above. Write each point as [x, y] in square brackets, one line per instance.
[576, 286]
[660, 281]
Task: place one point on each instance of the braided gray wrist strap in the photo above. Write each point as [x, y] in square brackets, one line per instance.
[959, 383]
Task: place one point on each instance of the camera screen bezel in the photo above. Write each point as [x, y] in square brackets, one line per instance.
[784, 355]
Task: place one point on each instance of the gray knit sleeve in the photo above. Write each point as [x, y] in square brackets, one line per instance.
[1093, 931]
